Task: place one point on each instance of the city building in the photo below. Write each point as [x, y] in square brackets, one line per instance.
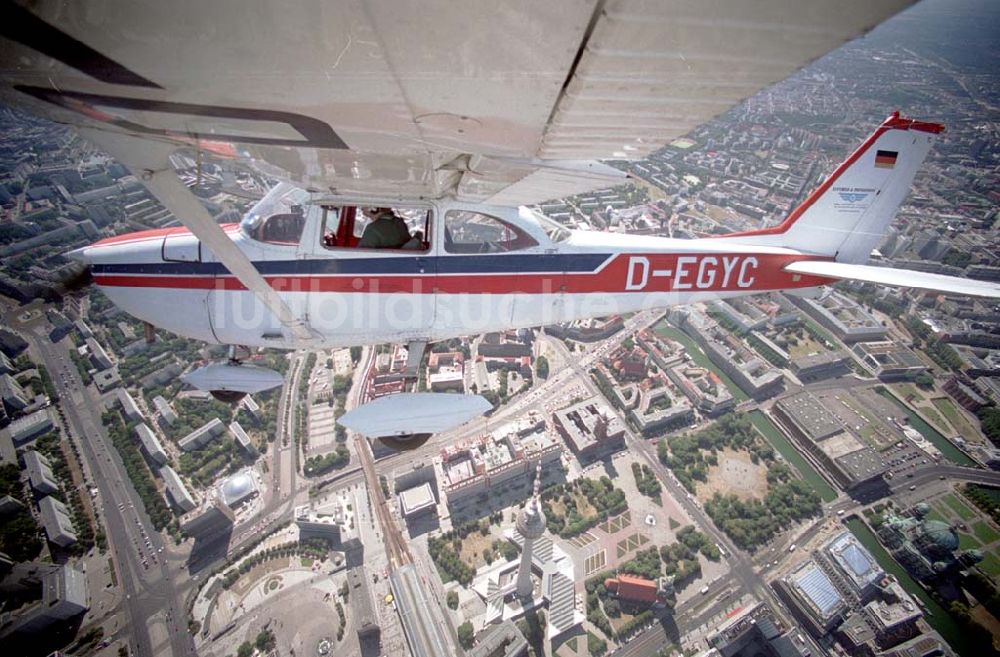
[64, 595]
[213, 518]
[98, 356]
[176, 490]
[202, 435]
[755, 631]
[12, 394]
[810, 592]
[242, 439]
[966, 393]
[6, 364]
[926, 547]
[754, 375]
[661, 409]
[888, 360]
[501, 639]
[9, 505]
[703, 388]
[30, 426]
[855, 565]
[108, 379]
[446, 371]
[151, 444]
[129, 407]
[238, 488]
[162, 406]
[822, 435]
[516, 353]
[842, 593]
[635, 589]
[326, 524]
[822, 365]
[843, 316]
[590, 429]
[587, 330]
[56, 521]
[417, 501]
[700, 385]
[530, 525]
[40, 476]
[494, 464]
[251, 406]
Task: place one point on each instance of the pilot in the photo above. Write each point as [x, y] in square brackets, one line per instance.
[387, 230]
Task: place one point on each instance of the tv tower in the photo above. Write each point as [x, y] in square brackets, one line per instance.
[531, 525]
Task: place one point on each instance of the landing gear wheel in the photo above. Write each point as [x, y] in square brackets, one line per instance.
[405, 442]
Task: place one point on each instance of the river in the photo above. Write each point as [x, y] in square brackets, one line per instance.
[786, 449]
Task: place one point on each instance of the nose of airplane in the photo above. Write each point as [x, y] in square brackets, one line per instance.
[79, 255]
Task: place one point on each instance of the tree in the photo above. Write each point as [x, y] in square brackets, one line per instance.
[452, 600]
[542, 367]
[265, 640]
[466, 635]
[245, 649]
[924, 380]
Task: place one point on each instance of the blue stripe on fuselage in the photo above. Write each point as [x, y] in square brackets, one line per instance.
[452, 264]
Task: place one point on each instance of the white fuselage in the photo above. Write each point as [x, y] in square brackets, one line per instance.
[354, 296]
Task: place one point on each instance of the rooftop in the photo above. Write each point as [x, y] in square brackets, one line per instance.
[814, 587]
[810, 415]
[854, 560]
[238, 487]
[417, 499]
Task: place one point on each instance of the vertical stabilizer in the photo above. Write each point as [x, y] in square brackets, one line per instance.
[848, 214]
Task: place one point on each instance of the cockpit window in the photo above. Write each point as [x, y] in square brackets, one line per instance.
[472, 232]
[278, 218]
[555, 232]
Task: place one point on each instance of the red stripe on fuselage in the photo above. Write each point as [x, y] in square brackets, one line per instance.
[643, 272]
[152, 234]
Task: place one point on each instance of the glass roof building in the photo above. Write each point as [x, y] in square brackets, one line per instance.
[814, 594]
[856, 563]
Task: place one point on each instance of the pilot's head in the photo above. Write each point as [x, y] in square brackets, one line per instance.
[377, 213]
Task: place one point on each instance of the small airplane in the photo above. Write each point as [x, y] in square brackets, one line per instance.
[458, 140]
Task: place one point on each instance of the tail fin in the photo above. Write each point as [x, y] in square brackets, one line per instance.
[847, 216]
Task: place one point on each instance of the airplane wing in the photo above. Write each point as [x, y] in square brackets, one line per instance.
[897, 277]
[500, 102]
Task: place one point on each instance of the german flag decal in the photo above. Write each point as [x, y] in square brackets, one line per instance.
[885, 159]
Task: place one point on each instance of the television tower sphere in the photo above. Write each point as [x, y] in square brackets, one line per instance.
[531, 520]
[531, 525]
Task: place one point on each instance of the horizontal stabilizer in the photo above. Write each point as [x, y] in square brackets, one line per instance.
[897, 277]
[414, 413]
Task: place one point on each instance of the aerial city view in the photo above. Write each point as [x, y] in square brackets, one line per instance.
[635, 436]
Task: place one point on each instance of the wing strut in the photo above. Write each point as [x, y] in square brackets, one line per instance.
[149, 160]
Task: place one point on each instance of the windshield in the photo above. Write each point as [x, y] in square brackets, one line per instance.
[283, 199]
[555, 232]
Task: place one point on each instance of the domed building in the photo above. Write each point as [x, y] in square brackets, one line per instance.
[238, 488]
[927, 548]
